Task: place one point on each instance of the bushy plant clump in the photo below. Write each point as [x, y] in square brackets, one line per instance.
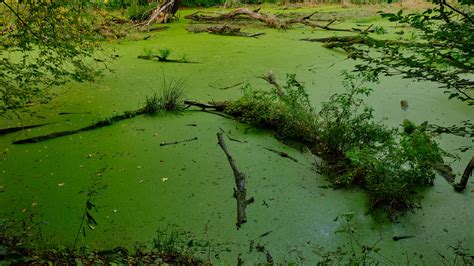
[290, 116]
[393, 165]
[170, 98]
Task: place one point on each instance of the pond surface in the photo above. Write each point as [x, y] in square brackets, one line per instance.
[144, 186]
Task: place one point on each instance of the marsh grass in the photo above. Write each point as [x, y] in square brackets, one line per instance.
[170, 98]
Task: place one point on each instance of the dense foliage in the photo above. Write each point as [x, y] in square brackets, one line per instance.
[42, 45]
[392, 165]
[438, 48]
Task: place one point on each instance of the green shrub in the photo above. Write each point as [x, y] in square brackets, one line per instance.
[290, 116]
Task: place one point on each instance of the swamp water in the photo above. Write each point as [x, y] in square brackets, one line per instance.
[143, 186]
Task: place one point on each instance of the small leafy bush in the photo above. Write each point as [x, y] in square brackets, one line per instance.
[290, 116]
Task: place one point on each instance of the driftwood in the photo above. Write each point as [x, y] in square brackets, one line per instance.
[269, 19]
[177, 142]
[102, 123]
[240, 192]
[465, 176]
[5, 131]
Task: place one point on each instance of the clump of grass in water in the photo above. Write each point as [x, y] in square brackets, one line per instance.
[152, 104]
[170, 98]
[393, 166]
[172, 95]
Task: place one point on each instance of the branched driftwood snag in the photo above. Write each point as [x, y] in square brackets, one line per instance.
[177, 142]
[102, 123]
[465, 176]
[240, 192]
[269, 19]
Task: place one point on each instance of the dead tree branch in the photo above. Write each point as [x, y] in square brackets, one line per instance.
[240, 192]
[465, 177]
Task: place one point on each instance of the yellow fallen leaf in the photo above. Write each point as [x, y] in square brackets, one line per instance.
[60, 184]
[164, 179]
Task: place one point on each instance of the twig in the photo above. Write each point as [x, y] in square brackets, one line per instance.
[227, 87]
[177, 142]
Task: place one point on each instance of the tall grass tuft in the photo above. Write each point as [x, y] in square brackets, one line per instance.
[172, 95]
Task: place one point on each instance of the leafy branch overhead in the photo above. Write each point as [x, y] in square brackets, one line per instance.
[442, 51]
[43, 45]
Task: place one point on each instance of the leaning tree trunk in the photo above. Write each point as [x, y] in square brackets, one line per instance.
[164, 12]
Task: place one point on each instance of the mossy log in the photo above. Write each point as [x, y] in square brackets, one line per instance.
[101, 123]
[240, 192]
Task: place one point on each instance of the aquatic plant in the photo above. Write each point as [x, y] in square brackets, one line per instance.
[152, 104]
[172, 95]
[164, 53]
[290, 115]
[393, 166]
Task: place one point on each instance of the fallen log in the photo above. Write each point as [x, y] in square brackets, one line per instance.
[270, 20]
[240, 192]
[465, 176]
[101, 123]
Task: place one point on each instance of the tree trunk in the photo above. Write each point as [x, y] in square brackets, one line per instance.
[164, 12]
